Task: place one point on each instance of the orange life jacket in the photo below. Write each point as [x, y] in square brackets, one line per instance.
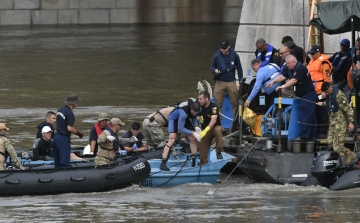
[317, 73]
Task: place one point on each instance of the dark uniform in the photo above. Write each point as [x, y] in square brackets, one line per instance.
[43, 150]
[304, 89]
[214, 132]
[140, 137]
[41, 125]
[64, 117]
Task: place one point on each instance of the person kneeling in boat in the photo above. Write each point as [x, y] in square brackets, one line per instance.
[182, 119]
[134, 146]
[43, 147]
[6, 149]
[209, 117]
[341, 116]
[152, 124]
[109, 143]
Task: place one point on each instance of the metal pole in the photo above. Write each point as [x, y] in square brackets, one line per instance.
[240, 95]
[279, 121]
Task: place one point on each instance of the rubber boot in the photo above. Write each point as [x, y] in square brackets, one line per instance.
[341, 154]
[350, 157]
[163, 166]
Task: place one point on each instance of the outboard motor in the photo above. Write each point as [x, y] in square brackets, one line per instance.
[326, 167]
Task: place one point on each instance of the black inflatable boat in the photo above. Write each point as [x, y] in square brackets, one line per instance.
[79, 178]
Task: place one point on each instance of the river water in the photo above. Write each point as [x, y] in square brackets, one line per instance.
[129, 72]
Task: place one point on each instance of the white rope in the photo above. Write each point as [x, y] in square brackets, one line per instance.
[226, 117]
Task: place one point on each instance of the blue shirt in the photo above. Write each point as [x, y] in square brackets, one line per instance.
[64, 118]
[264, 75]
[181, 115]
[227, 64]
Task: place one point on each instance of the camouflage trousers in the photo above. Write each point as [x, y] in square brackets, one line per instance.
[154, 134]
[337, 133]
[100, 160]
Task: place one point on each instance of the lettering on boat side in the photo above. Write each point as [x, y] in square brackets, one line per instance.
[147, 183]
[330, 162]
[139, 166]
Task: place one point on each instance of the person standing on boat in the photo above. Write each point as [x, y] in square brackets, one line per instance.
[224, 63]
[6, 149]
[65, 120]
[134, 146]
[109, 143]
[209, 120]
[183, 119]
[50, 120]
[152, 124]
[341, 63]
[300, 78]
[263, 76]
[96, 130]
[319, 68]
[266, 53]
[341, 118]
[43, 147]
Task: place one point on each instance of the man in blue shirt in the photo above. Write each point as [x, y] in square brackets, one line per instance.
[300, 78]
[182, 119]
[65, 120]
[264, 76]
[224, 63]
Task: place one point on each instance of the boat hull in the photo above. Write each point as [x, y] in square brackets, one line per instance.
[270, 167]
[185, 170]
[79, 178]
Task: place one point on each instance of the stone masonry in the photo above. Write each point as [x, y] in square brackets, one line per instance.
[79, 12]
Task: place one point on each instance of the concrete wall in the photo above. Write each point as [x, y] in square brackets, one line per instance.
[260, 19]
[73, 12]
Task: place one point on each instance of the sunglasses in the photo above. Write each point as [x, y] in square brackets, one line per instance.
[223, 48]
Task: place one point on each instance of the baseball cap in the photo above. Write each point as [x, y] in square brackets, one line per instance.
[135, 125]
[116, 121]
[46, 129]
[345, 42]
[314, 49]
[103, 116]
[224, 43]
[3, 126]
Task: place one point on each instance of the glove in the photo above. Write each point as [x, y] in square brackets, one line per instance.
[110, 138]
[122, 152]
[203, 133]
[197, 136]
[197, 129]
[133, 139]
[135, 147]
[80, 134]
